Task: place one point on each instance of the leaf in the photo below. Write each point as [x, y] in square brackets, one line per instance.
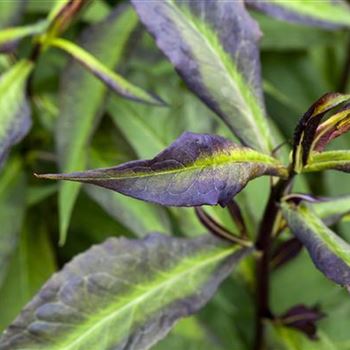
[337, 125]
[300, 37]
[82, 99]
[9, 36]
[213, 46]
[332, 210]
[327, 13]
[62, 14]
[336, 160]
[113, 80]
[15, 112]
[30, 266]
[141, 218]
[329, 252]
[307, 127]
[12, 208]
[196, 169]
[11, 12]
[303, 318]
[285, 338]
[123, 294]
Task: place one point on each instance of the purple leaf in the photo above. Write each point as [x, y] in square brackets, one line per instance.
[196, 169]
[303, 318]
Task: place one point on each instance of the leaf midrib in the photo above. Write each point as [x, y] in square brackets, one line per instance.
[208, 261]
[195, 166]
[247, 112]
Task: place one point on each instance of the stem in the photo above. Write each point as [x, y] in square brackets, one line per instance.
[263, 245]
[344, 79]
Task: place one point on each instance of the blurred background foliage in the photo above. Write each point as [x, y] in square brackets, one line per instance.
[77, 122]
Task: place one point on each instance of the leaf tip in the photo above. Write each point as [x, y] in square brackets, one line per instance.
[47, 176]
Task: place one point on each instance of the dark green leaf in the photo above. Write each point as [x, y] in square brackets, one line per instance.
[326, 13]
[15, 115]
[300, 37]
[12, 207]
[196, 169]
[30, 266]
[82, 99]
[204, 41]
[329, 252]
[123, 294]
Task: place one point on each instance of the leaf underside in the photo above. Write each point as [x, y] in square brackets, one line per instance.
[123, 294]
[213, 46]
[196, 169]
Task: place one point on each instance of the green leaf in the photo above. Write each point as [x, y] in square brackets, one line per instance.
[284, 338]
[9, 36]
[82, 100]
[31, 265]
[12, 208]
[300, 37]
[123, 294]
[336, 160]
[15, 120]
[329, 252]
[326, 13]
[11, 12]
[37, 194]
[203, 40]
[113, 80]
[196, 169]
[332, 210]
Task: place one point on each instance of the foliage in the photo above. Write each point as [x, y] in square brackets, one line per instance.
[232, 134]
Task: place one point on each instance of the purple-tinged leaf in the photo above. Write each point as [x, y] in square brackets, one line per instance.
[303, 318]
[15, 114]
[307, 127]
[332, 128]
[114, 81]
[62, 14]
[329, 252]
[123, 294]
[329, 14]
[330, 209]
[196, 169]
[285, 252]
[213, 46]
